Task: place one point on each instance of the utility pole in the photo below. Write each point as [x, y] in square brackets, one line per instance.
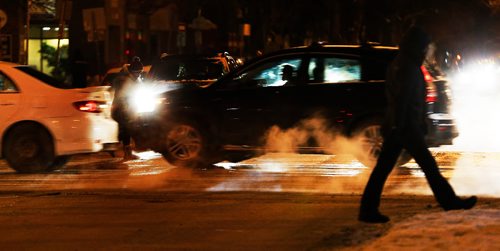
[27, 36]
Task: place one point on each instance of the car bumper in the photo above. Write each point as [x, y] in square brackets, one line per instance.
[442, 130]
[88, 134]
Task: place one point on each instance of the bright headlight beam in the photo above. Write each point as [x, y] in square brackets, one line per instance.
[145, 98]
[484, 75]
[476, 93]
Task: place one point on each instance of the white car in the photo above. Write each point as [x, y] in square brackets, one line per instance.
[43, 123]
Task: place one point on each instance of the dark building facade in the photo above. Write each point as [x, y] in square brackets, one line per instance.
[12, 33]
[108, 33]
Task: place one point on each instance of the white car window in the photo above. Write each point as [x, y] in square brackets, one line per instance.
[49, 80]
[6, 85]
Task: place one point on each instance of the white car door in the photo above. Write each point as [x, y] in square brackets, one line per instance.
[10, 99]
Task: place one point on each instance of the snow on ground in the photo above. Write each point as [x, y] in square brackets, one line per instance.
[476, 229]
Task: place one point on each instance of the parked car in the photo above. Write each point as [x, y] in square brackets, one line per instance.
[43, 123]
[343, 85]
[196, 69]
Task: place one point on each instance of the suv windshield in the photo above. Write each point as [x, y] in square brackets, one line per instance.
[187, 69]
[42, 77]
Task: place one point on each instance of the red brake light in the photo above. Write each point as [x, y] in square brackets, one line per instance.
[431, 94]
[89, 106]
[427, 75]
[431, 89]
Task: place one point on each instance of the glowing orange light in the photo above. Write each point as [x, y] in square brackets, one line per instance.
[247, 28]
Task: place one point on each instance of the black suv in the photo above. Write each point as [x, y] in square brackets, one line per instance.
[325, 90]
[191, 69]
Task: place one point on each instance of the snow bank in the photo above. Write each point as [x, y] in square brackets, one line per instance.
[476, 229]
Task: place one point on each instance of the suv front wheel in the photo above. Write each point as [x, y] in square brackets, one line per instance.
[186, 145]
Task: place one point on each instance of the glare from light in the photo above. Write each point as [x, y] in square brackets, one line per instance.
[145, 98]
[476, 98]
[273, 167]
[482, 76]
[148, 155]
[227, 165]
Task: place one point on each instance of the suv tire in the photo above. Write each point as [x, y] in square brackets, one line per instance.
[186, 145]
[369, 136]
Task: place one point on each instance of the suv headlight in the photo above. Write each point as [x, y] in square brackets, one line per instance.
[144, 99]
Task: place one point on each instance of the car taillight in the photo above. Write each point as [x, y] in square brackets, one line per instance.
[431, 89]
[90, 106]
[427, 75]
[431, 93]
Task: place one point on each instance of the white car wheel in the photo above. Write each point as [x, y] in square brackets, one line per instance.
[29, 148]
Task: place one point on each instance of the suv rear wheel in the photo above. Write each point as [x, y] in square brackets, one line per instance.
[369, 136]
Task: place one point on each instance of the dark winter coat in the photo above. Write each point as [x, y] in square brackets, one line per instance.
[406, 87]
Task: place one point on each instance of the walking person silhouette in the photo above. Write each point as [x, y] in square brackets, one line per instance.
[405, 128]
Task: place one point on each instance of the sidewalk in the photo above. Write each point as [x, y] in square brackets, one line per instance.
[473, 173]
[476, 229]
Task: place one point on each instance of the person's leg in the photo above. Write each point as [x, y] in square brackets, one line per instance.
[127, 148]
[370, 200]
[415, 144]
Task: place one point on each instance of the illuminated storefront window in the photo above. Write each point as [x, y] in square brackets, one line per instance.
[48, 34]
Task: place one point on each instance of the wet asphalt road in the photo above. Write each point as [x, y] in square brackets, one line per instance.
[272, 172]
[274, 202]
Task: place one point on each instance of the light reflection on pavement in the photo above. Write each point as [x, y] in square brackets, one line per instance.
[276, 172]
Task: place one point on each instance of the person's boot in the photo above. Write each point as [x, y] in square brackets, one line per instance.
[127, 154]
[372, 216]
[464, 204]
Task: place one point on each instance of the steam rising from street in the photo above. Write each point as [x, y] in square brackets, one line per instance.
[329, 140]
[476, 100]
[338, 148]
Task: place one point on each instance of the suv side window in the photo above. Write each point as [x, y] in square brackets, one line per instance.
[178, 69]
[6, 85]
[334, 70]
[271, 72]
